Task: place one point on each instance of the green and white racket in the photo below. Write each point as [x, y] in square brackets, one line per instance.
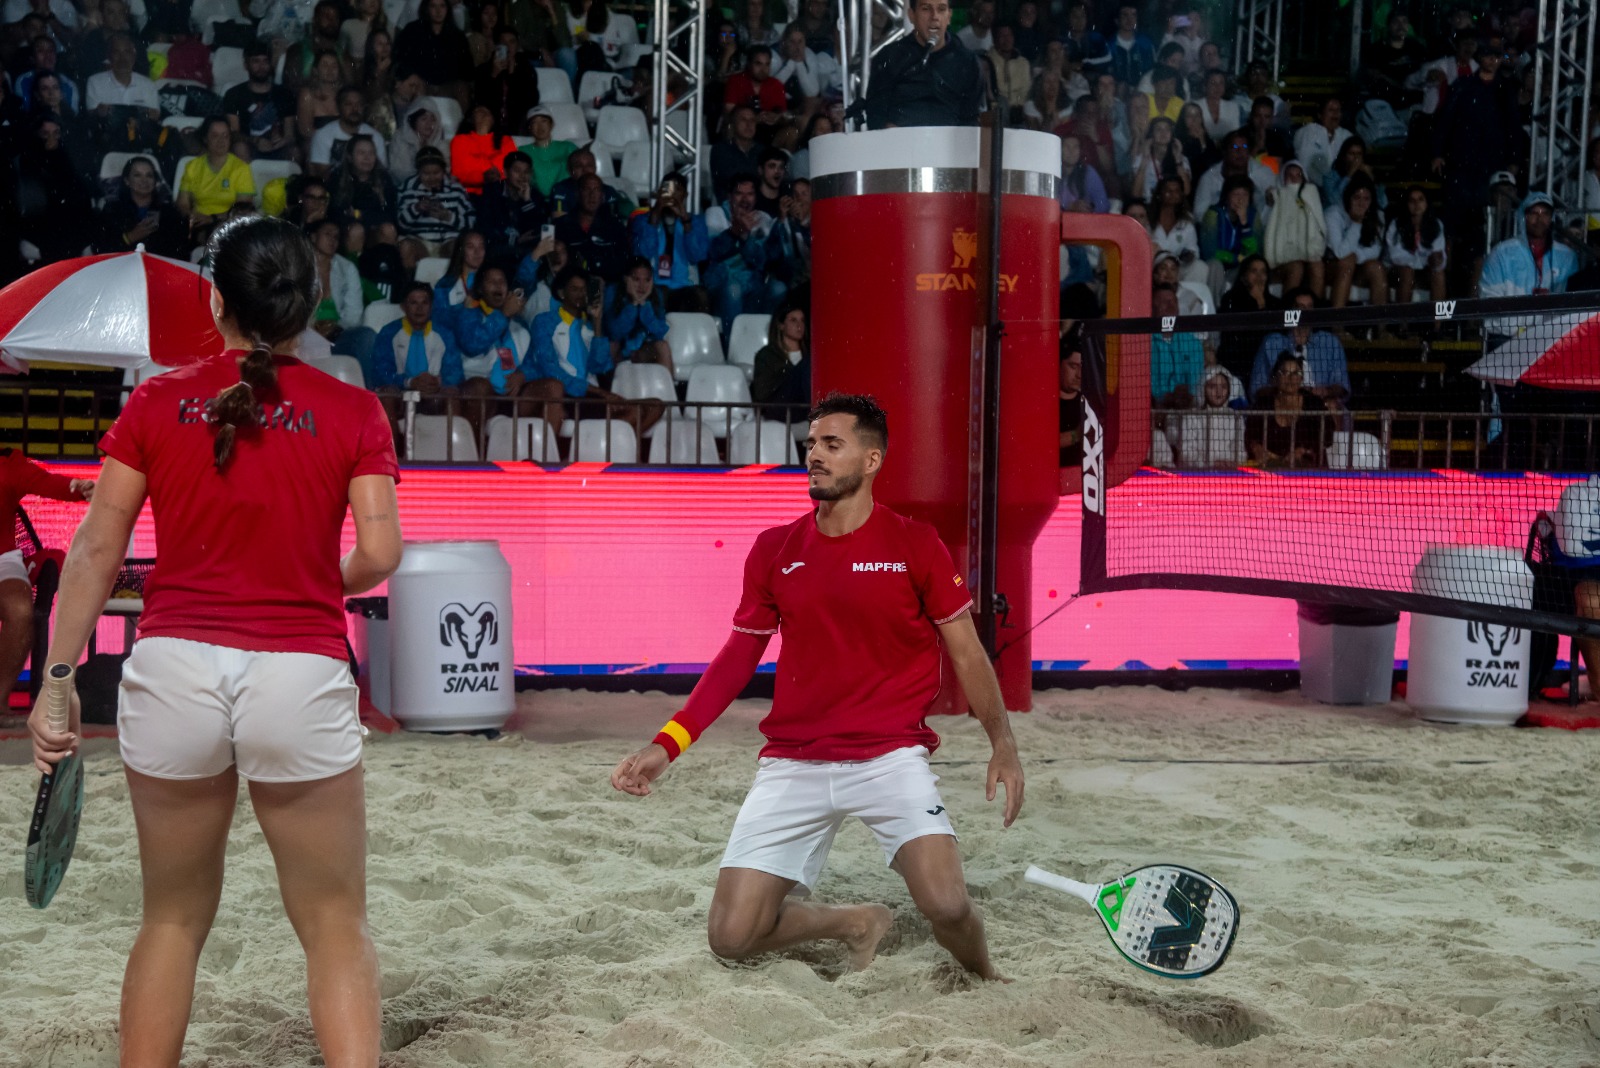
[54, 830]
[1166, 919]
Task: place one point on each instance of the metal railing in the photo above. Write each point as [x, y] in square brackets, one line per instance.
[1191, 439]
[644, 431]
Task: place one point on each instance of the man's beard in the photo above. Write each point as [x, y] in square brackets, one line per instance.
[843, 487]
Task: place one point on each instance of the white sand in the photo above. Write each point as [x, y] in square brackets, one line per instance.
[1413, 895]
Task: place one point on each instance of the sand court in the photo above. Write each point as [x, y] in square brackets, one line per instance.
[1411, 895]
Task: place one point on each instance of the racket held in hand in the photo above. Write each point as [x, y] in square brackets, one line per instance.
[1164, 918]
[54, 828]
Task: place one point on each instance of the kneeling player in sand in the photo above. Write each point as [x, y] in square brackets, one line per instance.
[864, 598]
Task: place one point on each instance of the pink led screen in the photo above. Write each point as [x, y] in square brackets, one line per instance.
[622, 570]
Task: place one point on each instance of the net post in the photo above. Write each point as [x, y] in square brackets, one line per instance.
[989, 485]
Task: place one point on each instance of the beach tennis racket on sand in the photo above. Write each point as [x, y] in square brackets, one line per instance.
[1166, 919]
[54, 830]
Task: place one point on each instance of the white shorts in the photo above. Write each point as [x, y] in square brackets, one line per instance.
[190, 710]
[12, 567]
[795, 807]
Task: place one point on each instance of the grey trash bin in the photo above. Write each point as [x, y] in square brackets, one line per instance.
[1346, 653]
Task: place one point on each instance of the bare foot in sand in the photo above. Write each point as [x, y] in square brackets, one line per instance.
[874, 921]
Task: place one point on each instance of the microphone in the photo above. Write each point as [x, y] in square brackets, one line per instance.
[931, 47]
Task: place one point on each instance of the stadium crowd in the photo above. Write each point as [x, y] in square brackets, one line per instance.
[478, 172]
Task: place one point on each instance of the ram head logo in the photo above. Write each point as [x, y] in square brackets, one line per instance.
[469, 629]
[1495, 635]
[965, 243]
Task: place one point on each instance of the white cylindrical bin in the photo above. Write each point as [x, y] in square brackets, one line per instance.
[450, 630]
[1468, 672]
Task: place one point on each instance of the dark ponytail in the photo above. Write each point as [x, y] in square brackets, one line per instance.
[266, 273]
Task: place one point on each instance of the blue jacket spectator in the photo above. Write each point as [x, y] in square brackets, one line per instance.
[671, 238]
[1531, 262]
[1324, 359]
[415, 345]
[789, 241]
[736, 271]
[1132, 53]
[495, 345]
[635, 325]
[565, 347]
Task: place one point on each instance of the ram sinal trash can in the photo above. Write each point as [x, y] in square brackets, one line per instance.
[369, 638]
[1470, 672]
[1346, 653]
[450, 628]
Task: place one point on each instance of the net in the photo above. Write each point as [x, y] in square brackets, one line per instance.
[1434, 458]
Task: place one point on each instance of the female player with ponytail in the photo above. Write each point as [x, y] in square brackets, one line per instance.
[250, 460]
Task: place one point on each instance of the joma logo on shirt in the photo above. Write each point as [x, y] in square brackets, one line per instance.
[270, 417]
[878, 566]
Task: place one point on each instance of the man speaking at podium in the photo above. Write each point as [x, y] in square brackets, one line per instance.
[926, 79]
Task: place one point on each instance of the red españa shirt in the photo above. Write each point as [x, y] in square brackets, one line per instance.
[860, 662]
[249, 558]
[19, 477]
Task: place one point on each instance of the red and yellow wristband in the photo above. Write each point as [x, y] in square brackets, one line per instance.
[674, 738]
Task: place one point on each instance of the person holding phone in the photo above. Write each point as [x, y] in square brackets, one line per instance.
[506, 84]
[674, 240]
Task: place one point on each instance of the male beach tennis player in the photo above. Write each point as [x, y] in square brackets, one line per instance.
[864, 598]
[20, 477]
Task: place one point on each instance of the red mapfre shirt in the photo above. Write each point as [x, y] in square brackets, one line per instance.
[860, 662]
[250, 558]
[19, 477]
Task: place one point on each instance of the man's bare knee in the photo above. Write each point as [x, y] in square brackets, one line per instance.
[946, 909]
[730, 941]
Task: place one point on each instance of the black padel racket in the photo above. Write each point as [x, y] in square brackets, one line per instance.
[54, 830]
[1166, 919]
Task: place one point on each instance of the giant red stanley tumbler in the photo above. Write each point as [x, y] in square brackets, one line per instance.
[899, 289]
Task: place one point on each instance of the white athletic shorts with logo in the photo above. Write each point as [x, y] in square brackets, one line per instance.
[795, 807]
[12, 567]
[190, 710]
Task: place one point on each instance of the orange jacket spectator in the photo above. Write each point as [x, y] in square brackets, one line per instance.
[473, 154]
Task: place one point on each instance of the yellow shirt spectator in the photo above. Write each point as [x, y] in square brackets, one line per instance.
[215, 192]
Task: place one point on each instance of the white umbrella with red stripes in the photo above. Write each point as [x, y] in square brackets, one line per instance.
[119, 310]
[1561, 352]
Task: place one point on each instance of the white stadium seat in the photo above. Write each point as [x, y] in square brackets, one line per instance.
[748, 337]
[1355, 451]
[621, 126]
[444, 437]
[449, 112]
[431, 268]
[570, 125]
[177, 172]
[694, 339]
[635, 165]
[345, 368]
[591, 87]
[683, 441]
[227, 69]
[637, 381]
[554, 85]
[591, 445]
[521, 439]
[379, 314]
[716, 385]
[764, 442]
[183, 122]
[263, 171]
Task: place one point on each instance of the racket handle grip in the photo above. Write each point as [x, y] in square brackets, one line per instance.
[1086, 891]
[58, 696]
